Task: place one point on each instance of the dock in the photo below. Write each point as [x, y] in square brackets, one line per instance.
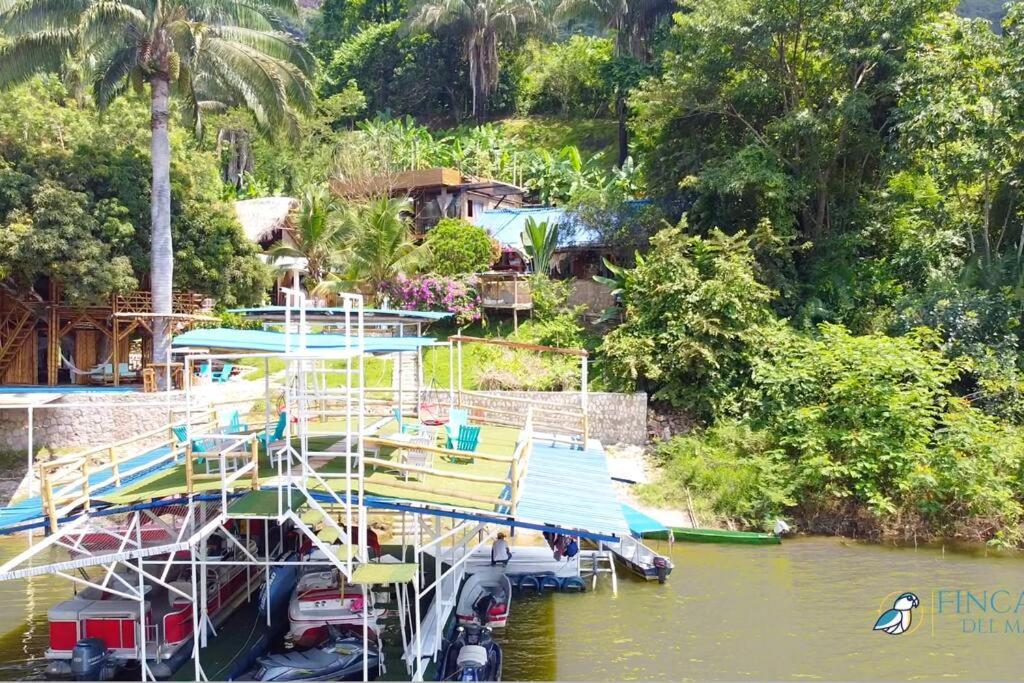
[136, 514]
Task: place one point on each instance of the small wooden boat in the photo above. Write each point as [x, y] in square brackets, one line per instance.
[485, 599]
[717, 536]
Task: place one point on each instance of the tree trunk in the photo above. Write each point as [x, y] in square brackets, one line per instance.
[161, 252]
[620, 111]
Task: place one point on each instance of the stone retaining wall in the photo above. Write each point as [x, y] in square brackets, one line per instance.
[614, 417]
[94, 419]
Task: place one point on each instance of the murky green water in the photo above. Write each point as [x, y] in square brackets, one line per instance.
[802, 610]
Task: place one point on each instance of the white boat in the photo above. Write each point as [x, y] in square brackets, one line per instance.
[322, 598]
[526, 560]
[489, 593]
[640, 559]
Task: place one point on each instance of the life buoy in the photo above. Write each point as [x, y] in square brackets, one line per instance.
[573, 583]
[356, 604]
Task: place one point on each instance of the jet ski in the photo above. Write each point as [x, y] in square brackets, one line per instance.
[338, 658]
[471, 656]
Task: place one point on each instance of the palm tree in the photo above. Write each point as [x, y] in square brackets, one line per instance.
[480, 23]
[208, 53]
[319, 234]
[381, 247]
[633, 22]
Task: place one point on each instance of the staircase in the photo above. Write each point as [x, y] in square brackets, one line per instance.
[15, 329]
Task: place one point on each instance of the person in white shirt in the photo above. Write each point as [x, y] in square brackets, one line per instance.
[500, 552]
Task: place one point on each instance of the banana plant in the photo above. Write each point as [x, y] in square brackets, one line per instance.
[617, 287]
[539, 241]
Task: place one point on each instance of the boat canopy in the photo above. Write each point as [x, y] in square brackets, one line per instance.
[384, 572]
[639, 522]
[274, 342]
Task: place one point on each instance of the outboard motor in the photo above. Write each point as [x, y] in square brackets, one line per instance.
[661, 566]
[89, 660]
[472, 662]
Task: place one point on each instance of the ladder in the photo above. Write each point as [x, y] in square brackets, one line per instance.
[601, 562]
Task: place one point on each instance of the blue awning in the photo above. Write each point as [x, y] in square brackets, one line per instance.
[274, 342]
[640, 523]
[570, 489]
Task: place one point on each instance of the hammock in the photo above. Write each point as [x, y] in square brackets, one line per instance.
[75, 370]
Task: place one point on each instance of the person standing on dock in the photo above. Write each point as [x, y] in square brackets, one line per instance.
[500, 552]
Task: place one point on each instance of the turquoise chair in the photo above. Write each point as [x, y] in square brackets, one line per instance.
[225, 373]
[467, 438]
[235, 424]
[458, 417]
[406, 427]
[206, 371]
[198, 445]
[278, 433]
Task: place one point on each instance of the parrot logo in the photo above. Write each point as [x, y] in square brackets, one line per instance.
[898, 619]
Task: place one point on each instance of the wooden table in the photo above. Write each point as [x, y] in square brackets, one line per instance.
[177, 373]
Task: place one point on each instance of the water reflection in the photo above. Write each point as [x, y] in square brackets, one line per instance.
[802, 610]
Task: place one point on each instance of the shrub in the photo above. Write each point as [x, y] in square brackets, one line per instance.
[459, 247]
[695, 321]
[731, 472]
[435, 293]
[549, 297]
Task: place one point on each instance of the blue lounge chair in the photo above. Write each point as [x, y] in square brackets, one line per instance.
[225, 373]
[467, 438]
[206, 372]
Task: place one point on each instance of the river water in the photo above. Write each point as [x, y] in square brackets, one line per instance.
[802, 610]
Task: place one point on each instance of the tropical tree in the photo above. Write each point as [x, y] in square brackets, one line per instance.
[633, 22]
[481, 23]
[208, 53]
[381, 247]
[319, 234]
[540, 240]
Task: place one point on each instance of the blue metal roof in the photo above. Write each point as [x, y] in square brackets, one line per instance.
[640, 523]
[273, 342]
[258, 311]
[507, 225]
[571, 489]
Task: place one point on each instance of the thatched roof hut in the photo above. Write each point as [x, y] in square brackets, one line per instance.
[265, 220]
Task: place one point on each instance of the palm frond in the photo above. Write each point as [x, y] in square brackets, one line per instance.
[35, 53]
[113, 78]
[253, 14]
[20, 17]
[277, 45]
[106, 20]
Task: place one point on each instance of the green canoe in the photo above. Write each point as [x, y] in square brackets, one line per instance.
[718, 536]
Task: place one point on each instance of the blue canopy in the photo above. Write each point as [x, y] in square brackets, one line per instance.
[273, 342]
[640, 523]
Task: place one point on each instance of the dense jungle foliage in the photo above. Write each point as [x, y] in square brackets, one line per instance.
[813, 209]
